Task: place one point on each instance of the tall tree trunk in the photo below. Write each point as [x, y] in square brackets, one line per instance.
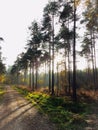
[93, 58]
[88, 71]
[45, 82]
[36, 84]
[69, 77]
[65, 87]
[52, 54]
[30, 75]
[69, 69]
[33, 76]
[49, 67]
[74, 57]
[18, 79]
[25, 76]
[57, 76]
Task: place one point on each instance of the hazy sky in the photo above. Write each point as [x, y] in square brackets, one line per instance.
[15, 18]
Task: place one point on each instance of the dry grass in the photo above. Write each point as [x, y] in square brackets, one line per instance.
[89, 96]
[84, 95]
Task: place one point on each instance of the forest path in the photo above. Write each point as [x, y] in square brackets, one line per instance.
[92, 118]
[16, 113]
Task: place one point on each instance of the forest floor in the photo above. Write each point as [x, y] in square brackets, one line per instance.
[16, 113]
[92, 116]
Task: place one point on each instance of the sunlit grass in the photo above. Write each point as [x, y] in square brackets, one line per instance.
[1, 92]
[61, 111]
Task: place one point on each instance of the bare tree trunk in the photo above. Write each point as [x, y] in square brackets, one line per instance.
[36, 84]
[94, 60]
[33, 76]
[65, 86]
[50, 67]
[69, 77]
[57, 76]
[30, 76]
[92, 56]
[25, 76]
[88, 71]
[45, 73]
[52, 54]
[74, 57]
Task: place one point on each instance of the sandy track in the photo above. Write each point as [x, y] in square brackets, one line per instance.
[16, 113]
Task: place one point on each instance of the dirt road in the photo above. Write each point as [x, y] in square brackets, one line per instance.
[16, 113]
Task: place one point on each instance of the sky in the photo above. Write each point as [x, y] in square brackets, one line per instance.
[15, 18]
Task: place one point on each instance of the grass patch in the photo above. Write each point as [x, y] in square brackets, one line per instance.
[1, 92]
[66, 114]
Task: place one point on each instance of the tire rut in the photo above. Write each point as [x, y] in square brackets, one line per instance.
[16, 113]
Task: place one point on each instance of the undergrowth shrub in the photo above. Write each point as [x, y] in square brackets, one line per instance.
[63, 112]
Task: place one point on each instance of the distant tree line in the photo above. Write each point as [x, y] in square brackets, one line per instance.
[2, 65]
